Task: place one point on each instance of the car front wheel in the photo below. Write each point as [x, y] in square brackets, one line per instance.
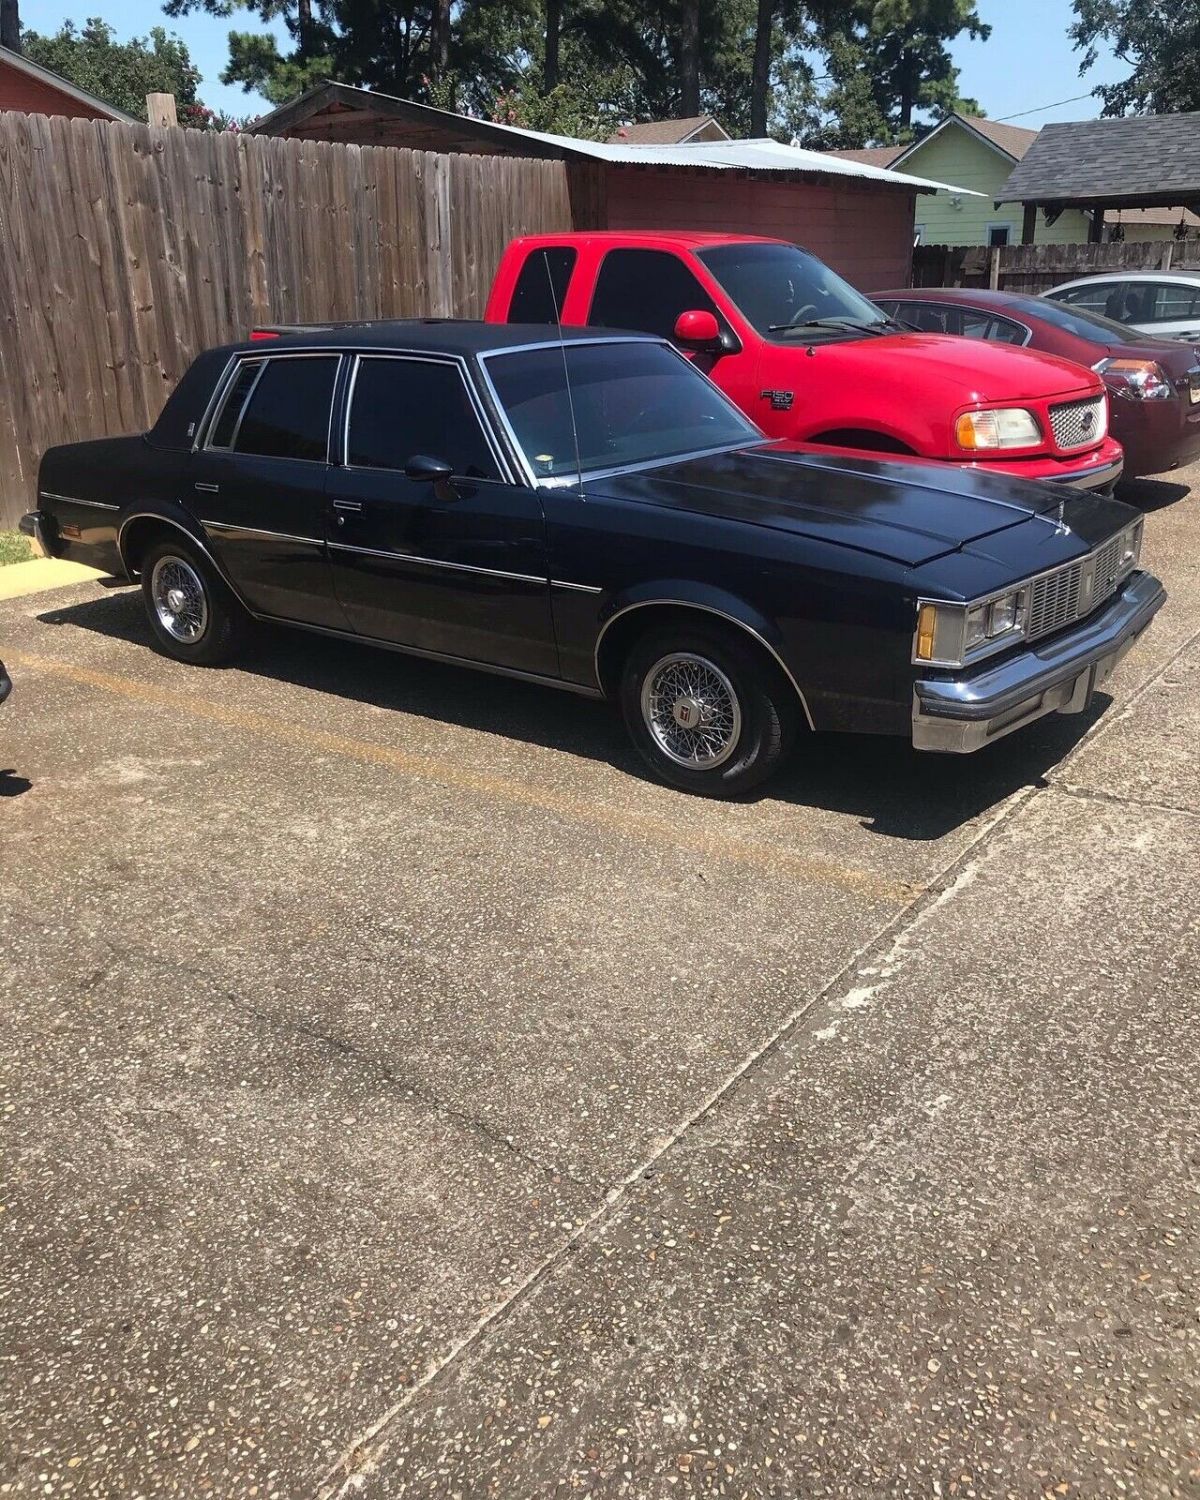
[193, 615]
[707, 712]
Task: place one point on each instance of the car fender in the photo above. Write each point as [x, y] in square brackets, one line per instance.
[704, 598]
[173, 515]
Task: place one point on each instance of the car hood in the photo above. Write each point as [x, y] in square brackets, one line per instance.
[908, 512]
[967, 371]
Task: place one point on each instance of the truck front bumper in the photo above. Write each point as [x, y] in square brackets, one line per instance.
[959, 714]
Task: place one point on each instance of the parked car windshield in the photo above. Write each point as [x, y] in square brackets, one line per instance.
[634, 403]
[781, 287]
[1084, 324]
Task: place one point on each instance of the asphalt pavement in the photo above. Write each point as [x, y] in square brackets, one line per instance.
[405, 1097]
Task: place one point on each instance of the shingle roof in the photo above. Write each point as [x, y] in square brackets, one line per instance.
[870, 156]
[1142, 161]
[1015, 140]
[663, 132]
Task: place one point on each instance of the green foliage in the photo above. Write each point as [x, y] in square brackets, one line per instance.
[14, 548]
[1158, 40]
[120, 73]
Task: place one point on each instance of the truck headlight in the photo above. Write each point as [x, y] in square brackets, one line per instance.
[1005, 427]
[950, 635]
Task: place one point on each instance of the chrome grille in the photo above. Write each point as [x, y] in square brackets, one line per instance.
[1068, 593]
[1078, 423]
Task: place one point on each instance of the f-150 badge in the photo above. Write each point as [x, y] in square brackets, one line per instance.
[780, 400]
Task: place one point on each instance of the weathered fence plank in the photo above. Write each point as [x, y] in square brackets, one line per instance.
[124, 250]
[1036, 268]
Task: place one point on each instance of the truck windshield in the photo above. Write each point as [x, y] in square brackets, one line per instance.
[634, 403]
[781, 288]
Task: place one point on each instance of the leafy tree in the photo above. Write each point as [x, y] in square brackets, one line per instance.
[121, 73]
[1158, 40]
[887, 62]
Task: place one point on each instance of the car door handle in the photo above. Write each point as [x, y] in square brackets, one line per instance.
[351, 505]
[209, 489]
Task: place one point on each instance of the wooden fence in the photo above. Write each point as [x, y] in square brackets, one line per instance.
[1036, 268]
[124, 250]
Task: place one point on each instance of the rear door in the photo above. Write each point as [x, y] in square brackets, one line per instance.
[259, 484]
[1164, 309]
[459, 569]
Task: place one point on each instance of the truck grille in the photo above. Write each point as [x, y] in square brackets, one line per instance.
[1068, 593]
[1078, 424]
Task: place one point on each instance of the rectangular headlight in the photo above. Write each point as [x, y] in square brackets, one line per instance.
[950, 635]
[1005, 427]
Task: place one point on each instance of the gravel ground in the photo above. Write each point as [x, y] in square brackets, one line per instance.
[402, 1096]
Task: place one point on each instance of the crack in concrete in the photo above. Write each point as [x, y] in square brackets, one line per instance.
[1116, 799]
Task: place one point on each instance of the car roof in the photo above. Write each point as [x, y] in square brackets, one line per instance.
[689, 238]
[458, 336]
[966, 295]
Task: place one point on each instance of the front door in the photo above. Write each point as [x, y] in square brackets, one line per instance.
[459, 568]
[259, 486]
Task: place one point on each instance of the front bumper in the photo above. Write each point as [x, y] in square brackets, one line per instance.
[960, 714]
[33, 526]
[1097, 471]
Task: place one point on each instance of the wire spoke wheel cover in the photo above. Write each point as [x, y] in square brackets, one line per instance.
[180, 600]
[692, 711]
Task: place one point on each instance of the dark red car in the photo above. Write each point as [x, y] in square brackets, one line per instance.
[1154, 383]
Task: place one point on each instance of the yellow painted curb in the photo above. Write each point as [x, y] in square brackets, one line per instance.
[42, 573]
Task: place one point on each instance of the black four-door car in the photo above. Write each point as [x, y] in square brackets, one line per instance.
[443, 488]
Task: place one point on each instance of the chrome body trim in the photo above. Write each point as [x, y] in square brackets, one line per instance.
[580, 689]
[75, 500]
[709, 610]
[578, 588]
[283, 536]
[153, 515]
[958, 715]
[1099, 478]
[437, 562]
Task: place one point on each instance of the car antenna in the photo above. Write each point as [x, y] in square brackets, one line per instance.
[562, 344]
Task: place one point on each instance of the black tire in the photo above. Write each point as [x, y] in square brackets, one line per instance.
[218, 620]
[750, 735]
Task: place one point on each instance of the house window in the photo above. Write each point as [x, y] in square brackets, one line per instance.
[999, 234]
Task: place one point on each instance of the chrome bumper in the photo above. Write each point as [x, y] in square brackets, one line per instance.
[32, 526]
[961, 714]
[1103, 478]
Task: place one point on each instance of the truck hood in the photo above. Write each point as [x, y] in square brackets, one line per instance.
[967, 370]
[907, 512]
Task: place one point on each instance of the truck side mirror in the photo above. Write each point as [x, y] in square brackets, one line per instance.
[701, 332]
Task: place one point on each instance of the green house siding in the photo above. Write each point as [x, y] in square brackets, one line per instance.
[956, 155]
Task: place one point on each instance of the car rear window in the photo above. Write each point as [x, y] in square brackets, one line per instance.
[1084, 324]
[542, 285]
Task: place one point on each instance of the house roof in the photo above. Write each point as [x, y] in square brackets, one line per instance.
[870, 156]
[1012, 140]
[1142, 161]
[747, 156]
[22, 64]
[666, 132]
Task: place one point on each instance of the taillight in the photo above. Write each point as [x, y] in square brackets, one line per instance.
[1136, 379]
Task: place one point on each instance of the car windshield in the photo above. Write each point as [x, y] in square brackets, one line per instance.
[781, 287]
[1084, 324]
[634, 403]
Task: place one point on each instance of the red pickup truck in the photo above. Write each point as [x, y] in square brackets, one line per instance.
[811, 360]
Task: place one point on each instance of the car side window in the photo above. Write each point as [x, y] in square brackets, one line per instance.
[403, 407]
[1095, 298]
[646, 290]
[1163, 302]
[928, 317]
[221, 434]
[1004, 331]
[542, 285]
[286, 414]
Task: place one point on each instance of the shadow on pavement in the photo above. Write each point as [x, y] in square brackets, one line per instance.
[1152, 494]
[891, 788]
[12, 785]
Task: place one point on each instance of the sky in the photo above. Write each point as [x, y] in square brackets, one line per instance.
[1026, 65]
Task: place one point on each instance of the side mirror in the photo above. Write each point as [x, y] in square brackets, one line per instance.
[429, 470]
[698, 330]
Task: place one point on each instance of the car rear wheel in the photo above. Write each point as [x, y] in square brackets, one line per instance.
[193, 615]
[707, 712]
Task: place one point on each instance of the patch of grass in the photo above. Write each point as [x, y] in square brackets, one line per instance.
[14, 547]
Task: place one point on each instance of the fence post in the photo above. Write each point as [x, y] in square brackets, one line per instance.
[160, 109]
[1164, 263]
[994, 269]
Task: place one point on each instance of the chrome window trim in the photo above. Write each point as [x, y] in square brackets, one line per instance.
[265, 359]
[556, 481]
[342, 460]
[75, 500]
[230, 379]
[200, 429]
[437, 562]
[710, 610]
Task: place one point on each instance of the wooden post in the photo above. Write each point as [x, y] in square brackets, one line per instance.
[160, 109]
[1096, 227]
[994, 269]
[1029, 227]
[1164, 260]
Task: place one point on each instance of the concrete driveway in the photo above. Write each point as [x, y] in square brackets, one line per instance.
[406, 1098]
